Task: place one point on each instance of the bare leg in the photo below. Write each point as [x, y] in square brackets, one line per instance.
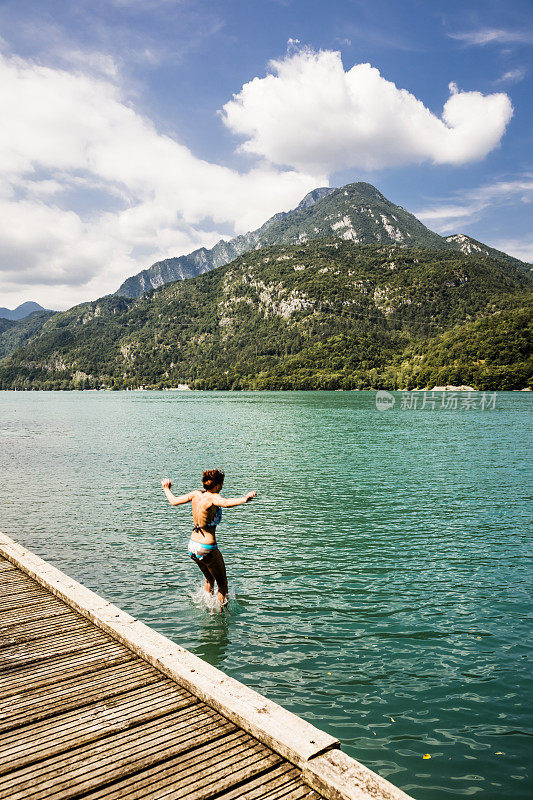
[209, 585]
[217, 568]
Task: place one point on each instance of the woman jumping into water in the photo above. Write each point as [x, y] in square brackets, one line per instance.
[207, 508]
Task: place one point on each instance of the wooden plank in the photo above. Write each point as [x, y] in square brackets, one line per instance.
[33, 630]
[27, 694]
[37, 673]
[9, 570]
[31, 677]
[53, 646]
[36, 704]
[275, 789]
[113, 708]
[296, 790]
[53, 608]
[27, 600]
[229, 763]
[281, 783]
[281, 776]
[65, 776]
[57, 644]
[178, 777]
[309, 795]
[166, 773]
[22, 591]
[11, 581]
[49, 600]
[17, 586]
[226, 770]
[59, 734]
[14, 574]
[6, 565]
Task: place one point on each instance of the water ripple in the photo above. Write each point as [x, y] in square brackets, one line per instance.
[380, 584]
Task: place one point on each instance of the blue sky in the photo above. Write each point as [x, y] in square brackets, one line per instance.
[140, 129]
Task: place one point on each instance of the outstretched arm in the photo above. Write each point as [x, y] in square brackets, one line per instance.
[230, 502]
[172, 499]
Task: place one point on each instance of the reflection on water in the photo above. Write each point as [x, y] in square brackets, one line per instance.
[213, 638]
[380, 580]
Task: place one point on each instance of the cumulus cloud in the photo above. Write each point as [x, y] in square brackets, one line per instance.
[66, 134]
[311, 114]
[446, 216]
[92, 191]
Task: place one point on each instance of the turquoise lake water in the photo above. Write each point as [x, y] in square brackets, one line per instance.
[381, 582]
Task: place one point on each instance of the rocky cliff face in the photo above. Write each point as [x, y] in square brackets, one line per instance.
[357, 213]
[202, 260]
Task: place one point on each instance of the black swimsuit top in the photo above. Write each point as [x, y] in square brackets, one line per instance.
[214, 522]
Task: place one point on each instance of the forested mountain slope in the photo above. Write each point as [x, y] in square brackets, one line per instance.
[13, 333]
[325, 314]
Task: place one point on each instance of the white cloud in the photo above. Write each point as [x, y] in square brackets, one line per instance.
[64, 134]
[98, 62]
[519, 248]
[92, 192]
[512, 76]
[447, 216]
[310, 114]
[484, 36]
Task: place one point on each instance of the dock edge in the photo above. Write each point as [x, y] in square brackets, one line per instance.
[325, 768]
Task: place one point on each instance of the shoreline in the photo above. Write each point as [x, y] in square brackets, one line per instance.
[285, 391]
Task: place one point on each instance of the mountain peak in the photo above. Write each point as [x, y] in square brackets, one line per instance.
[312, 197]
[356, 212]
[364, 191]
[20, 311]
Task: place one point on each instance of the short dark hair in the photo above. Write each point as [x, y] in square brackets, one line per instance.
[212, 478]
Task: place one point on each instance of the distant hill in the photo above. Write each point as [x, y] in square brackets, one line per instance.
[357, 212]
[326, 314]
[13, 333]
[21, 311]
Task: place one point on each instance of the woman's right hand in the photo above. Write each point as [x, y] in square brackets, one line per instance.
[249, 496]
[166, 483]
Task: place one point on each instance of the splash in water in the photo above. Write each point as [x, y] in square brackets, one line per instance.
[203, 599]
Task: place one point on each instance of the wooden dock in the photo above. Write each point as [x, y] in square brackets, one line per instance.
[94, 704]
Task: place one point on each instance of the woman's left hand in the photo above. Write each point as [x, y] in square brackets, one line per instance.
[166, 483]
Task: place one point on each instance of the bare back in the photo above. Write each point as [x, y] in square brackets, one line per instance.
[203, 512]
